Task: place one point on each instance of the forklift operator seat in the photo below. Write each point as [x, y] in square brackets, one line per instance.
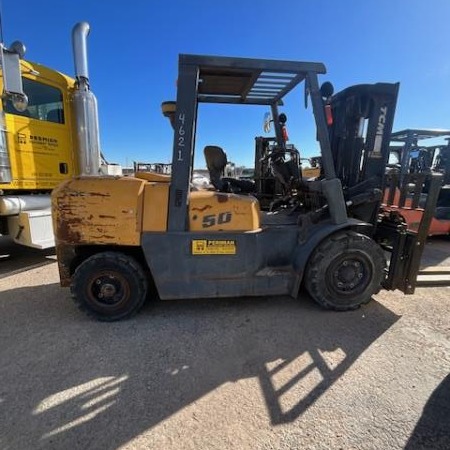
[216, 160]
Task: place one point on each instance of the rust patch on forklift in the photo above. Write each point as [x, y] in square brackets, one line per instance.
[97, 194]
[65, 232]
[222, 198]
[65, 256]
[203, 208]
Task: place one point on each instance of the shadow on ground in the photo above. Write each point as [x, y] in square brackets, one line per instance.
[433, 429]
[17, 258]
[436, 252]
[68, 380]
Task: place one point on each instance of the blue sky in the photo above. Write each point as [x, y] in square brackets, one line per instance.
[134, 46]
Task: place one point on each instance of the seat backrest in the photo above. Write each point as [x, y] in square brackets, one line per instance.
[216, 160]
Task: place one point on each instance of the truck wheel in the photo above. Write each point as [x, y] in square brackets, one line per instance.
[109, 286]
[345, 270]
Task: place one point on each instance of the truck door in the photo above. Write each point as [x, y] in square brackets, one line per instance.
[39, 138]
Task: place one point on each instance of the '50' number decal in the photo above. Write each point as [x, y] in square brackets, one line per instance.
[216, 219]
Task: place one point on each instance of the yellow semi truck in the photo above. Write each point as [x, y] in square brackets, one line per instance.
[48, 120]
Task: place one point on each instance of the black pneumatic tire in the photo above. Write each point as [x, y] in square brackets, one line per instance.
[345, 270]
[109, 286]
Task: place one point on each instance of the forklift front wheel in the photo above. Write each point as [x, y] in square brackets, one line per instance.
[109, 286]
[345, 270]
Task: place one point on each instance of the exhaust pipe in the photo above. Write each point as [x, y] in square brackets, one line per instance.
[85, 103]
[80, 33]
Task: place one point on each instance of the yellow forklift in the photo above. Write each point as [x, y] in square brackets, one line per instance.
[123, 239]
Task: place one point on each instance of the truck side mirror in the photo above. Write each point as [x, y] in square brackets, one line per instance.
[12, 77]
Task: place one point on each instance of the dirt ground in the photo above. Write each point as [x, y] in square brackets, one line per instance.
[272, 373]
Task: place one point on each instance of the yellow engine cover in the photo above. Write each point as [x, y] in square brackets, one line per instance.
[107, 210]
[217, 211]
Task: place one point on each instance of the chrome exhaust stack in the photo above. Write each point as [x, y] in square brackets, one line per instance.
[86, 111]
[80, 33]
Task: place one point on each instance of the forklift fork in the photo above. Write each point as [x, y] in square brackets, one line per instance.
[405, 245]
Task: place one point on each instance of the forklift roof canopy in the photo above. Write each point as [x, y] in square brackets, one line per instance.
[247, 81]
[417, 134]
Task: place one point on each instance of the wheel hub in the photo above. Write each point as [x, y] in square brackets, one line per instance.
[348, 274]
[107, 289]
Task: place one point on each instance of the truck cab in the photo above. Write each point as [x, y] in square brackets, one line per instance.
[49, 133]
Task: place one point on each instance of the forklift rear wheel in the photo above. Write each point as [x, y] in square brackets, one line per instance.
[109, 286]
[345, 270]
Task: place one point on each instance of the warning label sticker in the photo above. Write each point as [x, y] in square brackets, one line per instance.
[213, 247]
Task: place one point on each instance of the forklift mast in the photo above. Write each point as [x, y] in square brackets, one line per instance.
[363, 117]
[359, 137]
[440, 160]
[444, 162]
